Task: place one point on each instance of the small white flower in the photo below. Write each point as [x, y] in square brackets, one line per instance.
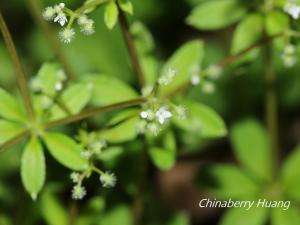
[88, 28]
[75, 177]
[61, 18]
[208, 88]
[153, 128]
[61, 76]
[289, 49]
[86, 154]
[168, 77]
[58, 86]
[97, 147]
[61, 5]
[108, 179]
[292, 9]
[141, 127]
[49, 13]
[195, 79]
[35, 85]
[67, 35]
[289, 61]
[213, 71]
[46, 102]
[181, 112]
[78, 192]
[163, 114]
[83, 19]
[149, 114]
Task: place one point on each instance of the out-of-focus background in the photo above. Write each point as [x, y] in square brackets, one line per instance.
[172, 197]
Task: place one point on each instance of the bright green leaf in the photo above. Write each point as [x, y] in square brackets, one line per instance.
[228, 181]
[290, 175]
[248, 32]
[8, 130]
[53, 211]
[164, 157]
[202, 121]
[33, 168]
[187, 56]
[10, 109]
[126, 6]
[65, 151]
[75, 98]
[120, 214]
[111, 14]
[254, 216]
[285, 217]
[179, 219]
[48, 76]
[251, 147]
[211, 15]
[109, 90]
[277, 22]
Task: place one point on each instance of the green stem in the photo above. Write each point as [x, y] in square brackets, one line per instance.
[93, 112]
[35, 10]
[15, 140]
[90, 5]
[229, 60]
[271, 108]
[21, 78]
[131, 48]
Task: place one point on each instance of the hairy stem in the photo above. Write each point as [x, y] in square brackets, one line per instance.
[131, 48]
[15, 140]
[35, 10]
[271, 108]
[93, 112]
[21, 78]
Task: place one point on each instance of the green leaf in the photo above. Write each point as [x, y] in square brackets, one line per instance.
[202, 121]
[227, 181]
[33, 168]
[123, 127]
[187, 56]
[251, 146]
[126, 6]
[179, 219]
[277, 22]
[8, 130]
[48, 76]
[75, 98]
[211, 15]
[10, 109]
[111, 14]
[248, 32]
[109, 90]
[120, 214]
[290, 174]
[164, 157]
[285, 217]
[53, 211]
[65, 151]
[254, 216]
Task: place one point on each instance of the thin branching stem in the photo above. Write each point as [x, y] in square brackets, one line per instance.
[92, 112]
[21, 78]
[35, 10]
[131, 49]
[229, 60]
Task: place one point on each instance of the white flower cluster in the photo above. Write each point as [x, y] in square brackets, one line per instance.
[293, 9]
[205, 77]
[155, 115]
[289, 55]
[59, 14]
[108, 179]
[93, 149]
[167, 77]
[46, 94]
